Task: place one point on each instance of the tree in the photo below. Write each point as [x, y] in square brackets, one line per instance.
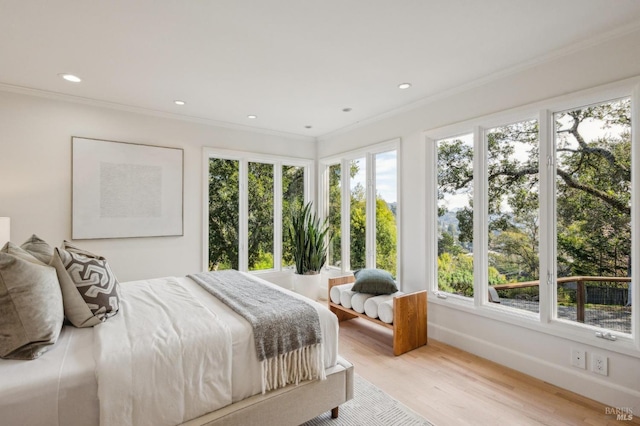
[593, 192]
[224, 199]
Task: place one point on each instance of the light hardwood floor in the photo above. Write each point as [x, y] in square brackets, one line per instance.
[448, 386]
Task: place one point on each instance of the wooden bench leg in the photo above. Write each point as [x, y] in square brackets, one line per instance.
[334, 412]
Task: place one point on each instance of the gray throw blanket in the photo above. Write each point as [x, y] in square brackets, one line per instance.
[286, 330]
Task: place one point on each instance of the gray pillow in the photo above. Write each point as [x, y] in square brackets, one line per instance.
[89, 287]
[374, 281]
[39, 248]
[31, 312]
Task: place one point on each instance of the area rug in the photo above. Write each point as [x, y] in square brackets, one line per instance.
[370, 406]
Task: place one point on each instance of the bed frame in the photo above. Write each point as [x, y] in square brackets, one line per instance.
[291, 405]
[409, 317]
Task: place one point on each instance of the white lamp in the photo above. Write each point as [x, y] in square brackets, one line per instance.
[5, 230]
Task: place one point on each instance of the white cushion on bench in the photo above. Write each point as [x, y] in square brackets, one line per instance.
[371, 305]
[335, 292]
[345, 298]
[385, 311]
[357, 301]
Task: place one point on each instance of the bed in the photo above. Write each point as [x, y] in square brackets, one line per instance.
[61, 386]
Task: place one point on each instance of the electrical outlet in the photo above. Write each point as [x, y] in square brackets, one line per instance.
[600, 364]
[579, 358]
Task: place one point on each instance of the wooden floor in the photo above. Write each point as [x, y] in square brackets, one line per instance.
[448, 386]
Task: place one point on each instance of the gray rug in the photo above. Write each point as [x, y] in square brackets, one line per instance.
[370, 406]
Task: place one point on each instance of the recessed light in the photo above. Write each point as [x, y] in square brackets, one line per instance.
[403, 86]
[251, 116]
[346, 109]
[307, 127]
[179, 102]
[70, 77]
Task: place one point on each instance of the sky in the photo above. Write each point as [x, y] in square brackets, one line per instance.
[386, 175]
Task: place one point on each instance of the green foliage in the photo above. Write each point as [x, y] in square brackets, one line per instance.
[292, 200]
[592, 200]
[224, 198]
[308, 238]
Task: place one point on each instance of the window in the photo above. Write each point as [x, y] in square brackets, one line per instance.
[335, 215]
[260, 215]
[513, 212]
[223, 213]
[593, 215]
[292, 199]
[247, 228]
[386, 206]
[539, 222]
[358, 214]
[455, 215]
[362, 207]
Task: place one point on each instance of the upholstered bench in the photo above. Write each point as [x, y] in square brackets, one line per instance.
[405, 314]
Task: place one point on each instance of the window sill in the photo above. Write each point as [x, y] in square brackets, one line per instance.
[563, 329]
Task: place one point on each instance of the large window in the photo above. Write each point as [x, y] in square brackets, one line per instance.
[455, 215]
[250, 201]
[513, 215]
[593, 215]
[361, 203]
[534, 216]
[223, 213]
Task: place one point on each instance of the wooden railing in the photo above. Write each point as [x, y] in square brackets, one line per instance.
[580, 293]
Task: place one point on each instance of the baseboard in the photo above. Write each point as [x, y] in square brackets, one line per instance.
[610, 394]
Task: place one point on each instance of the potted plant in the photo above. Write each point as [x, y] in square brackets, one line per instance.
[309, 241]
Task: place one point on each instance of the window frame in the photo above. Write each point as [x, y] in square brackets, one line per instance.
[244, 158]
[344, 159]
[547, 320]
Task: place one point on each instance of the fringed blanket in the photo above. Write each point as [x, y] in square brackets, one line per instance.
[286, 329]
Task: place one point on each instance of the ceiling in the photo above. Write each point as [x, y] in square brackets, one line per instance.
[292, 63]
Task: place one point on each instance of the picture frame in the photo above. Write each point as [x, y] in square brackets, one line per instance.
[126, 190]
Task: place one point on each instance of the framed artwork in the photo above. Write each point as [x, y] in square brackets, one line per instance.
[124, 190]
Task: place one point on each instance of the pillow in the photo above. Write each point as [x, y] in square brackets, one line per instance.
[31, 312]
[39, 248]
[374, 281]
[89, 287]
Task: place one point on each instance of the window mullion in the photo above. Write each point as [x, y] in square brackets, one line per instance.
[634, 286]
[277, 216]
[480, 217]
[346, 215]
[243, 226]
[547, 250]
[371, 212]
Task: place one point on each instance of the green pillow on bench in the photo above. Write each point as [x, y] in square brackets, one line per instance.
[374, 281]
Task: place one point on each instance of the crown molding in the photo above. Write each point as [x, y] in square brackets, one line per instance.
[149, 112]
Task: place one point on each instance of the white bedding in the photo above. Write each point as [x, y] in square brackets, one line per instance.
[62, 383]
[163, 360]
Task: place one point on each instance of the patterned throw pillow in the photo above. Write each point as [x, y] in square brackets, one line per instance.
[89, 287]
[374, 281]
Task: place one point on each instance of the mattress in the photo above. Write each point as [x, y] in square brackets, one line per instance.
[60, 387]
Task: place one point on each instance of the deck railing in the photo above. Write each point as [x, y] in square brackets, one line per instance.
[580, 288]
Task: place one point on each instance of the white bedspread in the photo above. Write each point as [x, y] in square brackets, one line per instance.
[163, 359]
[60, 389]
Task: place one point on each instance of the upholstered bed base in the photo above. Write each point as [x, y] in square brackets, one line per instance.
[292, 405]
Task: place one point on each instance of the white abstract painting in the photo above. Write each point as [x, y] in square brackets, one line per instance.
[123, 190]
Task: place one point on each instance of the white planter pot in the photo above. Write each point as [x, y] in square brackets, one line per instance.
[307, 285]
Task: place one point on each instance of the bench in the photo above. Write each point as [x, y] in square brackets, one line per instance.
[409, 317]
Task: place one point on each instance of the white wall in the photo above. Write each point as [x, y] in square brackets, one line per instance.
[531, 351]
[35, 175]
